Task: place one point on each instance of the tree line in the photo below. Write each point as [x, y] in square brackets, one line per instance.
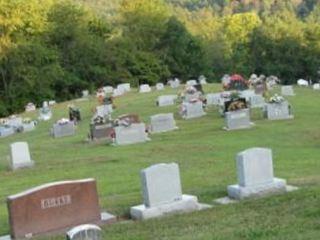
[53, 49]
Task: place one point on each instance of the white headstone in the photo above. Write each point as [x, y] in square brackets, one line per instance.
[162, 194]
[213, 98]
[255, 174]
[278, 111]
[20, 155]
[174, 83]
[159, 86]
[192, 110]
[239, 119]
[45, 114]
[191, 82]
[52, 102]
[302, 82]
[85, 232]
[63, 130]
[316, 86]
[30, 107]
[162, 123]
[117, 92]
[27, 127]
[124, 87]
[135, 133]
[255, 167]
[15, 122]
[6, 131]
[144, 88]
[166, 100]
[108, 89]
[287, 91]
[202, 80]
[257, 101]
[104, 110]
[45, 104]
[161, 184]
[247, 94]
[85, 93]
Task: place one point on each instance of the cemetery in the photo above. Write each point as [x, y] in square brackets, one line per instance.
[159, 119]
[197, 174]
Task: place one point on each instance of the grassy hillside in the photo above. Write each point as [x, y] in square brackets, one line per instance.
[205, 154]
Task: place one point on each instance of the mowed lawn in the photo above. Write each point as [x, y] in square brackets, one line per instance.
[206, 156]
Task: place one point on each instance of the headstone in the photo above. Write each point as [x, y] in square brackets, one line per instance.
[302, 82]
[134, 133]
[45, 114]
[316, 86]
[162, 123]
[162, 193]
[28, 126]
[63, 129]
[52, 102]
[191, 82]
[195, 96]
[239, 119]
[20, 156]
[174, 83]
[257, 101]
[108, 89]
[104, 110]
[15, 122]
[124, 87]
[85, 93]
[226, 79]
[255, 175]
[85, 232]
[6, 131]
[278, 111]
[100, 132]
[144, 88]
[166, 100]
[30, 107]
[192, 110]
[213, 98]
[287, 91]
[55, 206]
[45, 104]
[159, 86]
[247, 94]
[117, 92]
[202, 80]
[272, 81]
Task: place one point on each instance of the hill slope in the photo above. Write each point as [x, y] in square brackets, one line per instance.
[205, 154]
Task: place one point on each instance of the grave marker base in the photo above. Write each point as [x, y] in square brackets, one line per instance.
[239, 128]
[188, 203]
[238, 192]
[22, 165]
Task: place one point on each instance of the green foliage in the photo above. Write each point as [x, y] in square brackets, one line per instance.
[56, 48]
[182, 52]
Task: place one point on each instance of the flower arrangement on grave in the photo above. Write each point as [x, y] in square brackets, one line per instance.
[63, 121]
[98, 120]
[276, 99]
[236, 103]
[74, 113]
[237, 82]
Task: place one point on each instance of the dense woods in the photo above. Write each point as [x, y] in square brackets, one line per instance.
[53, 49]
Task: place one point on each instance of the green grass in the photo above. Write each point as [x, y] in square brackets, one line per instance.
[206, 156]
